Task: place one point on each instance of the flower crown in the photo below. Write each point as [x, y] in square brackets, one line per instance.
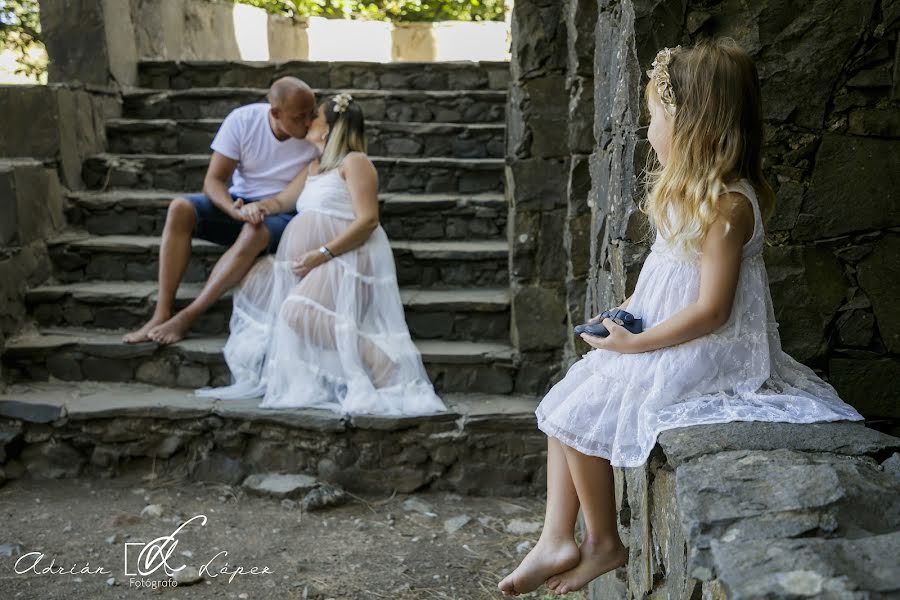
[341, 102]
[660, 76]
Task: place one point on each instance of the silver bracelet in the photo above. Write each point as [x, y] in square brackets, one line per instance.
[324, 250]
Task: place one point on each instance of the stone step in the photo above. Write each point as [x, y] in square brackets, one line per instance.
[403, 216]
[459, 314]
[483, 444]
[462, 75]
[72, 354]
[385, 138]
[455, 106]
[443, 264]
[186, 172]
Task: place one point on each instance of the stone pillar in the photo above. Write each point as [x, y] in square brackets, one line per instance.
[537, 175]
[581, 24]
[90, 41]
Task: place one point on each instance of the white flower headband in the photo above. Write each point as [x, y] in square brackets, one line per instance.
[341, 101]
[660, 76]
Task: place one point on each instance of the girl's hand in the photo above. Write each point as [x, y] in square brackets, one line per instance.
[619, 339]
[307, 262]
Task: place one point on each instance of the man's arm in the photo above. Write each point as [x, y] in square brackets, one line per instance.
[215, 185]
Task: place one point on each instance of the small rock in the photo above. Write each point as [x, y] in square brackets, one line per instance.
[523, 547]
[454, 524]
[520, 527]
[323, 496]
[125, 520]
[279, 485]
[892, 465]
[413, 504]
[154, 511]
[113, 539]
[111, 581]
[187, 576]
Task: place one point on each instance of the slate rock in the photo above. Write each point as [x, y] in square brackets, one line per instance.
[278, 485]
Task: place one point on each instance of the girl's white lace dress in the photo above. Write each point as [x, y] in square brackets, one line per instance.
[336, 338]
[613, 405]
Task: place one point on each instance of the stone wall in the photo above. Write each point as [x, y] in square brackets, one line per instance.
[830, 89]
[48, 130]
[207, 30]
[737, 510]
[90, 41]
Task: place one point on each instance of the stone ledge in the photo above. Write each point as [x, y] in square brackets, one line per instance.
[483, 444]
[41, 402]
[750, 509]
[843, 437]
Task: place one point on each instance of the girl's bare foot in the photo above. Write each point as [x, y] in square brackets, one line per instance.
[172, 330]
[597, 558]
[143, 334]
[545, 559]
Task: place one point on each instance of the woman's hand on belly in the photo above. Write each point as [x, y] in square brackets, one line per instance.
[307, 262]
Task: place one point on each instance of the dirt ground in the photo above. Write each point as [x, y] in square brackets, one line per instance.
[430, 545]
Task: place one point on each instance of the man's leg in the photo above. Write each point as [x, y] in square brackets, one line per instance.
[174, 256]
[227, 273]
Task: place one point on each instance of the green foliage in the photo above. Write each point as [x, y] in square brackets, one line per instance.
[20, 31]
[388, 10]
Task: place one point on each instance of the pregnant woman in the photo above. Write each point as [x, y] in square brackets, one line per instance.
[321, 323]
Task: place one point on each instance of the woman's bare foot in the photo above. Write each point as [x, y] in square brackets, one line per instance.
[143, 334]
[172, 330]
[545, 559]
[597, 558]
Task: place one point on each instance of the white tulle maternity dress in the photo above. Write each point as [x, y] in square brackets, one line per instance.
[336, 338]
[613, 405]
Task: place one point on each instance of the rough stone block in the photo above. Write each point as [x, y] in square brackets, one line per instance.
[878, 274]
[854, 188]
[807, 285]
[538, 318]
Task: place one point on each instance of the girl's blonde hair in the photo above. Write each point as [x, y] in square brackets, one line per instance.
[717, 138]
[346, 133]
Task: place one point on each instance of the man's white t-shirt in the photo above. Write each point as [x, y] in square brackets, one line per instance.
[265, 165]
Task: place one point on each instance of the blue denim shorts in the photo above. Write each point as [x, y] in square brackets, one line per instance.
[215, 226]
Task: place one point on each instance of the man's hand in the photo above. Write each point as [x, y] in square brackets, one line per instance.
[619, 339]
[253, 213]
[307, 262]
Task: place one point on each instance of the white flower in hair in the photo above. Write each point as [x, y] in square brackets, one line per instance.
[341, 101]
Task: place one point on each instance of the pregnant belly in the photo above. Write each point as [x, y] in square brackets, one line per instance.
[310, 230]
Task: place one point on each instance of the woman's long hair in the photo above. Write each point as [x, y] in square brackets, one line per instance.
[717, 138]
[346, 133]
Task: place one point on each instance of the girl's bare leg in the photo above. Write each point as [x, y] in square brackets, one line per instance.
[601, 550]
[556, 550]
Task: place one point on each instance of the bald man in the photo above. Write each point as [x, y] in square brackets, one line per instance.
[259, 148]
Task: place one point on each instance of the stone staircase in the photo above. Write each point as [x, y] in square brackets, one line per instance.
[436, 135]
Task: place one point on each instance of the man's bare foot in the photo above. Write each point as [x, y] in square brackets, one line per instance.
[597, 558]
[172, 330]
[142, 334]
[545, 559]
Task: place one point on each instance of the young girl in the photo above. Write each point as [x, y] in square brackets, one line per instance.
[710, 350]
